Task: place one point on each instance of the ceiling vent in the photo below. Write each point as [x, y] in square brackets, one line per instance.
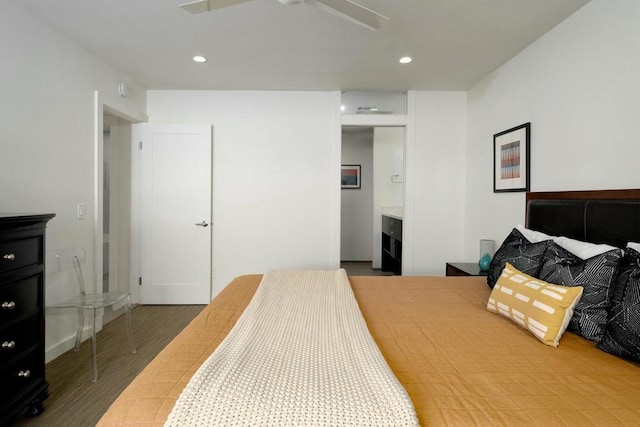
[371, 110]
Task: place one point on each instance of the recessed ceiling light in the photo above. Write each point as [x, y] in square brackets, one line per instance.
[405, 59]
[199, 58]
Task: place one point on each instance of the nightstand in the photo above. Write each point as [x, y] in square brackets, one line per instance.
[464, 269]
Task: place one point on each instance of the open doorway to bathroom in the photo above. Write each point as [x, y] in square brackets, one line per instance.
[379, 152]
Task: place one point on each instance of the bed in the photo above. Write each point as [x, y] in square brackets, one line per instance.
[459, 363]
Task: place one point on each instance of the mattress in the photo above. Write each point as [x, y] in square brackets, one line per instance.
[460, 364]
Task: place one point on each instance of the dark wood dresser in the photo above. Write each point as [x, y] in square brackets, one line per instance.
[22, 381]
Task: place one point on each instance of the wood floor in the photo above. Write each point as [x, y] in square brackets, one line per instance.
[74, 400]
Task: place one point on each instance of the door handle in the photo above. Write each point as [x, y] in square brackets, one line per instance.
[202, 224]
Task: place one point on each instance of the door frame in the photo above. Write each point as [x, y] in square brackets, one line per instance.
[408, 122]
[105, 103]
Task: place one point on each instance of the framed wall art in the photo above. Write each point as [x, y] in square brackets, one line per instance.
[511, 159]
[350, 177]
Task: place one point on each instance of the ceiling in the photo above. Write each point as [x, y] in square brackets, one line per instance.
[264, 45]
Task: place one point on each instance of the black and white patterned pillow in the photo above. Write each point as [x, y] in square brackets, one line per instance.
[595, 275]
[622, 334]
[516, 250]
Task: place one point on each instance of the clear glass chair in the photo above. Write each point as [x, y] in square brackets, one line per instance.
[88, 306]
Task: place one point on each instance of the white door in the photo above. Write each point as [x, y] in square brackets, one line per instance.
[175, 207]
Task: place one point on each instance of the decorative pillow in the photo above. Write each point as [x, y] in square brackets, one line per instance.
[595, 275]
[542, 308]
[622, 334]
[634, 246]
[519, 252]
[583, 249]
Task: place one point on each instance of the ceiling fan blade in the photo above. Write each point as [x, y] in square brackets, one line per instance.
[201, 6]
[353, 12]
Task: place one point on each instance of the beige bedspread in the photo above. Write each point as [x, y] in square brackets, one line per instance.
[460, 364]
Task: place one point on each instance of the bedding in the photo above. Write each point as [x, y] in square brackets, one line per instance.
[596, 275]
[622, 333]
[544, 309]
[519, 251]
[532, 235]
[312, 363]
[459, 363]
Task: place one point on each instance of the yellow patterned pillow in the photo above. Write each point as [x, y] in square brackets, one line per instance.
[542, 308]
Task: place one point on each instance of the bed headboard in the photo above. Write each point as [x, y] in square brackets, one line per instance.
[607, 216]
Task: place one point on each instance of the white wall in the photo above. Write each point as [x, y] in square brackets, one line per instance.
[356, 235]
[578, 85]
[438, 180]
[276, 167]
[276, 176]
[47, 140]
[388, 143]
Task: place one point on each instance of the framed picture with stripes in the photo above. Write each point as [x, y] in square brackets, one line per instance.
[511, 159]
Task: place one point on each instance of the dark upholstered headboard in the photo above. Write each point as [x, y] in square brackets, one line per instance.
[607, 216]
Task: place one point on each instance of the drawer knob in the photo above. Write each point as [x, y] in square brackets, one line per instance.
[9, 257]
[8, 344]
[8, 305]
[24, 374]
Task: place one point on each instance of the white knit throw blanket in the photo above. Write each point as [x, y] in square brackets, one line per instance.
[299, 355]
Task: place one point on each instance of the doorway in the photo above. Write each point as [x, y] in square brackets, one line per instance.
[116, 205]
[113, 120]
[379, 151]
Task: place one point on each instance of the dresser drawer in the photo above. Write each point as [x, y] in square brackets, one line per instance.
[19, 298]
[392, 227]
[21, 374]
[15, 254]
[19, 337]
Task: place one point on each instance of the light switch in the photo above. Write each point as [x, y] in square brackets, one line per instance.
[82, 211]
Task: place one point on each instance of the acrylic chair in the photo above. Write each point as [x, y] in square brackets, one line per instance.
[88, 306]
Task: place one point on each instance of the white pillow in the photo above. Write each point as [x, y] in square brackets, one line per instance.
[532, 235]
[633, 245]
[582, 249]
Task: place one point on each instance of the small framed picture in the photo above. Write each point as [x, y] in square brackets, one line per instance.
[511, 159]
[350, 176]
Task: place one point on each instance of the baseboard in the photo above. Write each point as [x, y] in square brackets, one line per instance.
[58, 349]
[66, 344]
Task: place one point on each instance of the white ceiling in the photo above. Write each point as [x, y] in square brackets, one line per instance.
[264, 45]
